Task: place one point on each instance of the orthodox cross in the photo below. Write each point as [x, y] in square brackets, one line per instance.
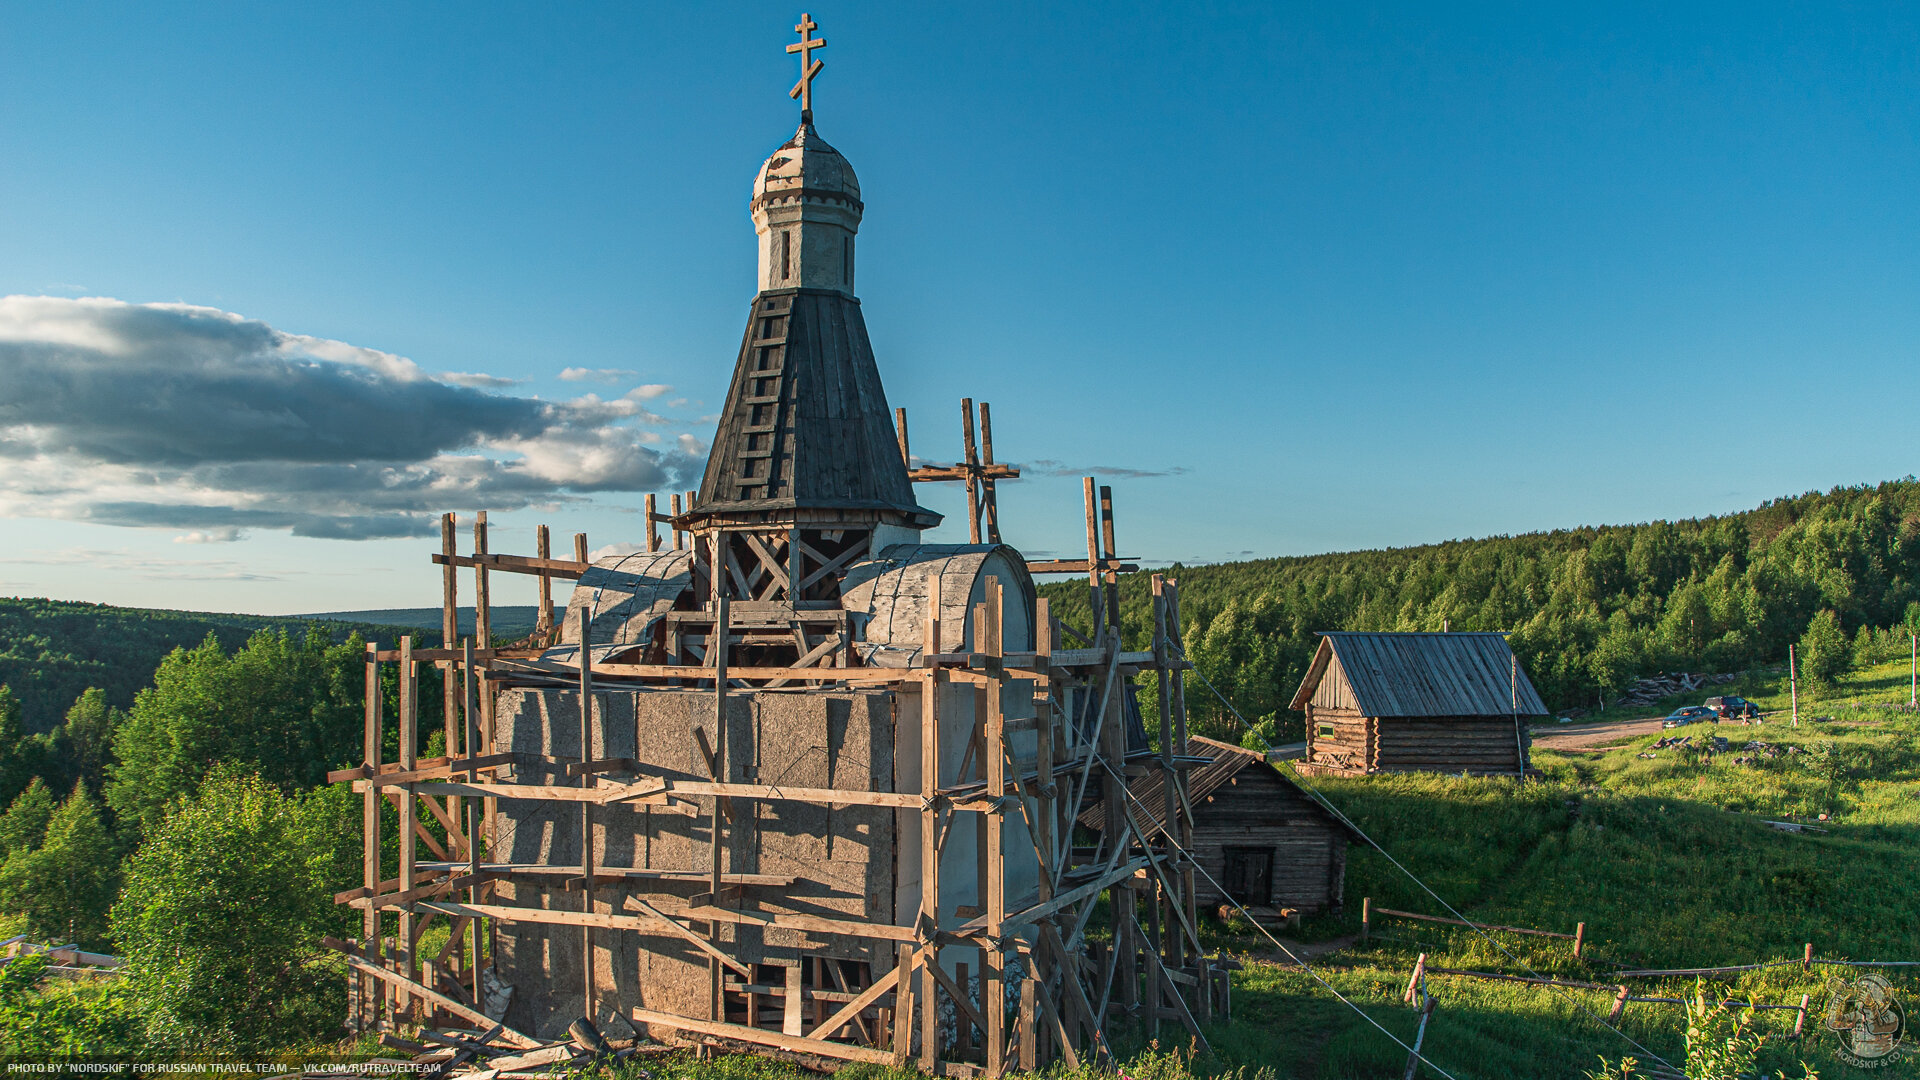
[809, 67]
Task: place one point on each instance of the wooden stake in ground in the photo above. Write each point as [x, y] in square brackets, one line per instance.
[1793, 684]
[586, 811]
[373, 993]
[1419, 1036]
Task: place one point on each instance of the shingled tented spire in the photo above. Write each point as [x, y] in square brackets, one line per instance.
[806, 422]
[806, 431]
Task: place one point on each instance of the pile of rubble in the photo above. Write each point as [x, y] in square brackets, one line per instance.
[1648, 690]
[1752, 752]
[1756, 750]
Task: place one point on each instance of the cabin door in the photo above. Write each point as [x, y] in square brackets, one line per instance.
[1249, 875]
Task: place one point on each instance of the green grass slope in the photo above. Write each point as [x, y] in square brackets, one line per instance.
[1668, 861]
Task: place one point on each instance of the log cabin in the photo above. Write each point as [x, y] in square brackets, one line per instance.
[1260, 838]
[1413, 702]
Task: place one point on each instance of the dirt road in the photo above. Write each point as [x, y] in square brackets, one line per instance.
[1595, 737]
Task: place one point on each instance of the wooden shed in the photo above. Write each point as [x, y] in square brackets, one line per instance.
[1417, 703]
[1255, 831]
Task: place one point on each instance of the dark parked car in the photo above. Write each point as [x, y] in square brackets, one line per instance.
[1733, 708]
[1689, 714]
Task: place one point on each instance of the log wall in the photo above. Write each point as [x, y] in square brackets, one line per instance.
[1480, 745]
[1259, 810]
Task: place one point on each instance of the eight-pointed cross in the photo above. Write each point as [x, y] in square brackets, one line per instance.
[809, 67]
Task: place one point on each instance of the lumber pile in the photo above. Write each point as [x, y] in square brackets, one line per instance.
[1646, 691]
[489, 1054]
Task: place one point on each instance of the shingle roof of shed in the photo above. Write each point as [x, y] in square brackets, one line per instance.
[1150, 802]
[1461, 674]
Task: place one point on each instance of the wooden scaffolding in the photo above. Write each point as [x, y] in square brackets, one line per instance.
[1107, 941]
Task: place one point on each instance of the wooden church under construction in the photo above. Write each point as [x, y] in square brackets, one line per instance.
[795, 780]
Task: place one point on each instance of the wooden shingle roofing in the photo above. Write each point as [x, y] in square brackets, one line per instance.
[1459, 674]
[805, 425]
[1149, 804]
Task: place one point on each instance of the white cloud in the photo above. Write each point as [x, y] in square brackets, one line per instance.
[477, 380]
[608, 375]
[196, 419]
[222, 535]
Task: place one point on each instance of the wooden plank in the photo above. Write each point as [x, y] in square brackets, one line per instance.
[359, 962]
[992, 972]
[790, 1020]
[1461, 922]
[410, 826]
[517, 564]
[813, 923]
[587, 782]
[796, 1044]
[903, 1006]
[698, 941]
[371, 994]
[704, 673]
[930, 821]
[429, 770]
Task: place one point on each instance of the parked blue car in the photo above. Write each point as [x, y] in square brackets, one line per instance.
[1689, 714]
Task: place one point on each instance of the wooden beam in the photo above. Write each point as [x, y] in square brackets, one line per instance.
[357, 960]
[371, 996]
[698, 941]
[941, 473]
[794, 1044]
[845, 1015]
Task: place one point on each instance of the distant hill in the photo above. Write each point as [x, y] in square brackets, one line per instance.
[53, 650]
[1590, 609]
[510, 621]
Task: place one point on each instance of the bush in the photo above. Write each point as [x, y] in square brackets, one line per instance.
[219, 923]
[48, 1019]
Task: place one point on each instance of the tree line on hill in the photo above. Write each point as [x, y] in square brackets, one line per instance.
[1588, 609]
[52, 650]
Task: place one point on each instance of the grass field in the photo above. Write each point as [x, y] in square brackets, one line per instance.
[1666, 859]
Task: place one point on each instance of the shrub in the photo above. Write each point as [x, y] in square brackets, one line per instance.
[219, 920]
[47, 1019]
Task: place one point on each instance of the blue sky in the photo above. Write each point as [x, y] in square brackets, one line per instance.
[1340, 276]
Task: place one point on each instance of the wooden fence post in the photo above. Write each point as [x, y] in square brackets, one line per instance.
[1806, 958]
[1419, 1036]
[1619, 1006]
[1800, 1020]
[1579, 939]
[1366, 917]
[1419, 974]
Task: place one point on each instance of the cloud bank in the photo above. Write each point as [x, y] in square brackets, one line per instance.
[184, 417]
